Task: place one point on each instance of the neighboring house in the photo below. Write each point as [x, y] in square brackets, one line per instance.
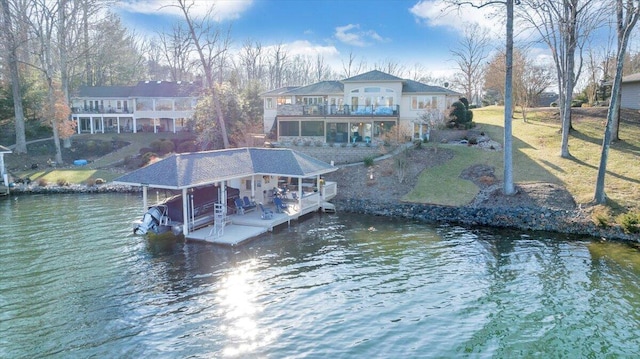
[358, 109]
[545, 99]
[149, 106]
[630, 92]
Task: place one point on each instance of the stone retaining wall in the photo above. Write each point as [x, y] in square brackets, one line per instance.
[536, 219]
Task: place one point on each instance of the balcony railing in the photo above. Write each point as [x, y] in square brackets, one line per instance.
[333, 110]
[99, 110]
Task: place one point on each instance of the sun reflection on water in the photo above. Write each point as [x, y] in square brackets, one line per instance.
[238, 303]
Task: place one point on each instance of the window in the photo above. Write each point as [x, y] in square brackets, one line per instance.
[144, 104]
[424, 102]
[119, 105]
[312, 128]
[268, 103]
[183, 104]
[164, 105]
[289, 128]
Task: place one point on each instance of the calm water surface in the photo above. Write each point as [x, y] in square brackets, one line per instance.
[75, 283]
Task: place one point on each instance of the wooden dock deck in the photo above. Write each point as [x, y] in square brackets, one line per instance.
[243, 227]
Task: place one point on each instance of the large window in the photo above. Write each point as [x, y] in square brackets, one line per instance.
[144, 104]
[183, 104]
[424, 102]
[312, 128]
[164, 105]
[289, 128]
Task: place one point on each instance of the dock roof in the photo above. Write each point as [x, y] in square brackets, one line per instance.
[195, 169]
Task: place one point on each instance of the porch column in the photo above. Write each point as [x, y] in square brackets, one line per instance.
[102, 123]
[174, 125]
[77, 119]
[144, 197]
[185, 211]
[319, 191]
[91, 128]
[118, 123]
[155, 127]
[135, 125]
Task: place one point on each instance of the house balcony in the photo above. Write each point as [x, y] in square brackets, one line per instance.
[100, 110]
[338, 111]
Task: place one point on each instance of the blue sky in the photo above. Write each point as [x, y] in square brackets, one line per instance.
[408, 32]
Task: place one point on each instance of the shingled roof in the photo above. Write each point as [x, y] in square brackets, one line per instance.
[410, 86]
[194, 169]
[319, 88]
[374, 75]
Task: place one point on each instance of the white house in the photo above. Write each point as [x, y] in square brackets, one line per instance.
[357, 109]
[149, 106]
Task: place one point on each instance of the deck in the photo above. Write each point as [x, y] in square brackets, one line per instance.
[240, 228]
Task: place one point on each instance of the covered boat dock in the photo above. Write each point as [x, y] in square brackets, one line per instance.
[257, 173]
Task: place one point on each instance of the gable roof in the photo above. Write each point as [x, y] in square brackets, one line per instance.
[194, 169]
[374, 75]
[319, 88]
[142, 89]
[104, 91]
[279, 91]
[415, 86]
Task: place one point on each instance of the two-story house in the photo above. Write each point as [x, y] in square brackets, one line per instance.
[149, 106]
[357, 109]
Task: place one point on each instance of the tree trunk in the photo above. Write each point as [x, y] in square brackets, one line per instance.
[10, 45]
[625, 25]
[508, 187]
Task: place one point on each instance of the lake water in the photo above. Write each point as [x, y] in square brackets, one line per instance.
[75, 283]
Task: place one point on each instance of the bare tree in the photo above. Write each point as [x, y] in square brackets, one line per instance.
[211, 44]
[10, 46]
[176, 48]
[277, 61]
[251, 57]
[627, 13]
[43, 21]
[470, 55]
[564, 25]
[390, 66]
[351, 66]
[529, 81]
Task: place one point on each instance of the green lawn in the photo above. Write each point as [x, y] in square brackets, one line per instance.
[536, 158]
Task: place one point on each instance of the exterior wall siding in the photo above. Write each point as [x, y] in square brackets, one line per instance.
[630, 95]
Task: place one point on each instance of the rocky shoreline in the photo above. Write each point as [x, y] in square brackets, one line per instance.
[566, 221]
[573, 222]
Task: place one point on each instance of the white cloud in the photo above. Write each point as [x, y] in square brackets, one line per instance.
[439, 13]
[222, 10]
[353, 36]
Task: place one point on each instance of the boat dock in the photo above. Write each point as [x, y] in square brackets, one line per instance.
[240, 228]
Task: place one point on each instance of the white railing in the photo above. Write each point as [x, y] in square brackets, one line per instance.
[329, 190]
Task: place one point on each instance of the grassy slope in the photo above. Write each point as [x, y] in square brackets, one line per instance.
[93, 169]
[536, 149]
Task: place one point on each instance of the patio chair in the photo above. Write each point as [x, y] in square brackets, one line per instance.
[239, 205]
[266, 213]
[248, 205]
[280, 207]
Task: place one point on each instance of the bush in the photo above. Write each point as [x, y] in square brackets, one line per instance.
[187, 146]
[42, 182]
[162, 146]
[368, 161]
[630, 222]
[553, 104]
